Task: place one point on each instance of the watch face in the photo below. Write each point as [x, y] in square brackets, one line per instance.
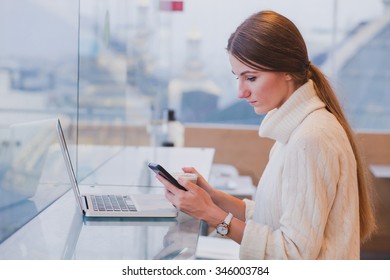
[222, 229]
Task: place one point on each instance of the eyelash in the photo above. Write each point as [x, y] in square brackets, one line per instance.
[250, 79]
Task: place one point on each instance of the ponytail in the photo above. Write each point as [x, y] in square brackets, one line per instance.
[327, 95]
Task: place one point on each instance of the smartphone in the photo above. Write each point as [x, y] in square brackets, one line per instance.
[158, 169]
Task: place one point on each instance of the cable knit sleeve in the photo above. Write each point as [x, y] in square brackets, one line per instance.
[308, 179]
[249, 208]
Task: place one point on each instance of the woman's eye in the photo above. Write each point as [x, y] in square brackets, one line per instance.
[251, 79]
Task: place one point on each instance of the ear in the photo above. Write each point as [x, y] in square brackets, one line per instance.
[287, 77]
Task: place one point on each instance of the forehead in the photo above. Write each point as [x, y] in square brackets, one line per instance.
[238, 67]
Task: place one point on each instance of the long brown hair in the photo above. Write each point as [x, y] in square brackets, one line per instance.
[268, 41]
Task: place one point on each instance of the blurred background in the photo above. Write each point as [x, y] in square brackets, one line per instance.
[118, 62]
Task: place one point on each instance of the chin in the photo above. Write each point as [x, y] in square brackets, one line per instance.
[259, 111]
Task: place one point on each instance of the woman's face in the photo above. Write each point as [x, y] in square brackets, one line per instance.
[264, 91]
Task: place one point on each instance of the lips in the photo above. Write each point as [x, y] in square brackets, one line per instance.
[252, 103]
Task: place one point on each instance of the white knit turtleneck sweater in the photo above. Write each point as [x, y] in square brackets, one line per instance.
[306, 206]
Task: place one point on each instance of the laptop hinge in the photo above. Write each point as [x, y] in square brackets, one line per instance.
[85, 203]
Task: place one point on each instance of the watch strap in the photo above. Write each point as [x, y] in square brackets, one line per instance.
[228, 219]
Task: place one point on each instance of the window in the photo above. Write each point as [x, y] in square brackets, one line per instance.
[115, 63]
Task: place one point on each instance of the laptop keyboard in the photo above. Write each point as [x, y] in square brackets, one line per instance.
[112, 203]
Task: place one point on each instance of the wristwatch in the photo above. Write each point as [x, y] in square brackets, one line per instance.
[223, 228]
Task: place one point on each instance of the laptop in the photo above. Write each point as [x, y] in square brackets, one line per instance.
[114, 204]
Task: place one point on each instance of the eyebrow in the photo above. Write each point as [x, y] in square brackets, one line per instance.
[245, 72]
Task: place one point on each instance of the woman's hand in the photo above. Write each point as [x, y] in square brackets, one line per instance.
[196, 201]
[201, 182]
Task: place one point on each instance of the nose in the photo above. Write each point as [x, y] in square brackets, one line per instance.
[243, 91]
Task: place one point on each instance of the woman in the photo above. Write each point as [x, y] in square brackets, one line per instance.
[312, 200]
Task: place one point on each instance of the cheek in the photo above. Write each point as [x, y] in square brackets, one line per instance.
[270, 93]
[265, 89]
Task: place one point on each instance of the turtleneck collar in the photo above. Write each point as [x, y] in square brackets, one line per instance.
[279, 123]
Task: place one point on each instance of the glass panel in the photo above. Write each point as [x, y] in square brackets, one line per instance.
[38, 81]
[31, 173]
[113, 109]
[113, 87]
[38, 62]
